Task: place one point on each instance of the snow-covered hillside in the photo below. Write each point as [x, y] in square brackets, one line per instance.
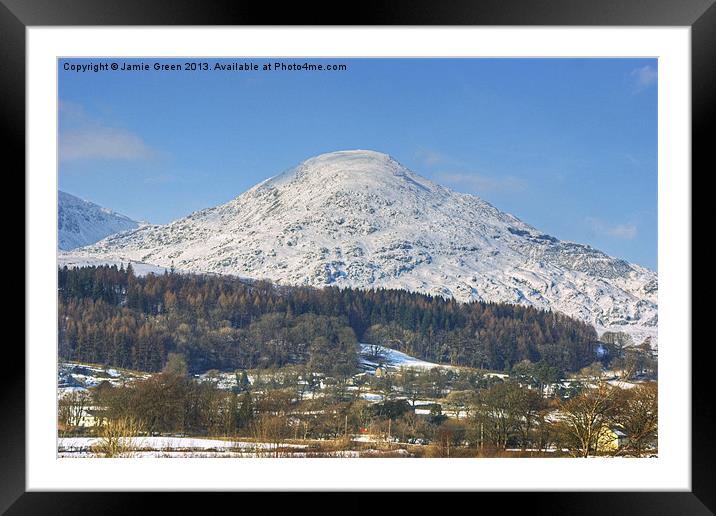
[80, 222]
[373, 356]
[361, 219]
[71, 260]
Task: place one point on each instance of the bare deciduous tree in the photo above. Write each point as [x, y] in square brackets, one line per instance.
[271, 431]
[637, 415]
[72, 407]
[586, 419]
[118, 438]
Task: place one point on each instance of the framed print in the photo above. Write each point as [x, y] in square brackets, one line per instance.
[456, 241]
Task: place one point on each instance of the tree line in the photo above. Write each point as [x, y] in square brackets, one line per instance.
[109, 315]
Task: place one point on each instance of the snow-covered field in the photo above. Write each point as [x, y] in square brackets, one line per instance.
[622, 384]
[371, 396]
[154, 443]
[175, 447]
[75, 376]
[168, 447]
[373, 356]
[169, 443]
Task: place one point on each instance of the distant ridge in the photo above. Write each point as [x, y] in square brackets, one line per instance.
[80, 222]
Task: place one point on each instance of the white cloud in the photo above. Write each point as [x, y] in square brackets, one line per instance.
[430, 158]
[82, 137]
[626, 231]
[643, 77]
[472, 182]
[100, 142]
[480, 183]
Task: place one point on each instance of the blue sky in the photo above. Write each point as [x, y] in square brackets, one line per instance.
[567, 145]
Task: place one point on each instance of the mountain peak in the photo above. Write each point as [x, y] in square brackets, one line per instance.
[352, 155]
[358, 218]
[351, 170]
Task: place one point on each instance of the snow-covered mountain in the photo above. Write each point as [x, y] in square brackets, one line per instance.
[80, 222]
[361, 219]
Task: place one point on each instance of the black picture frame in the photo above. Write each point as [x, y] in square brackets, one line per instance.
[700, 15]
